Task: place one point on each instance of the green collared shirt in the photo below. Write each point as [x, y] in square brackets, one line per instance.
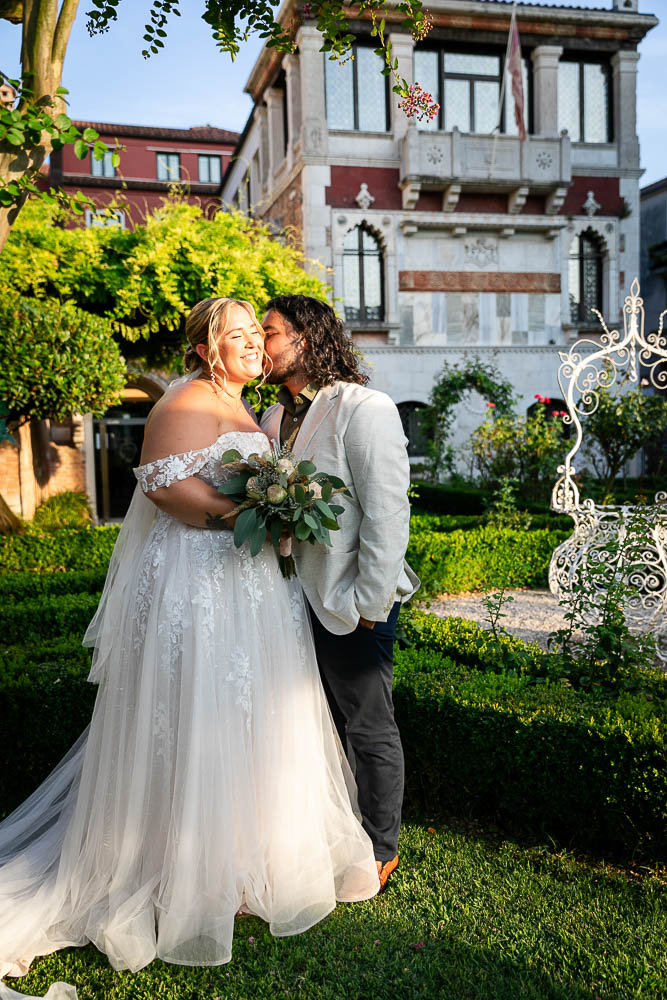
[296, 408]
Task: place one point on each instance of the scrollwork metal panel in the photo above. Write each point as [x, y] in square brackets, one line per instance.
[588, 367]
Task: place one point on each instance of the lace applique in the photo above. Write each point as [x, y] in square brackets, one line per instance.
[153, 560]
[174, 468]
[240, 678]
[171, 469]
[298, 613]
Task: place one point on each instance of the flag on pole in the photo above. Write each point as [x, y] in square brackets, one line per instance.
[515, 70]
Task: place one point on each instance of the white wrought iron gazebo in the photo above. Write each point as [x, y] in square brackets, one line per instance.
[587, 368]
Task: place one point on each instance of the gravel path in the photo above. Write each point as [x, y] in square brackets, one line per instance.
[531, 616]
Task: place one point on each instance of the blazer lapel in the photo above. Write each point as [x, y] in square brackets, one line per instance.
[319, 408]
[272, 425]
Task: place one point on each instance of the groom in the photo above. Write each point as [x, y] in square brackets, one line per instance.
[356, 587]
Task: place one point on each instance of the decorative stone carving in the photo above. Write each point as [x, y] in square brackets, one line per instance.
[364, 199]
[434, 154]
[544, 159]
[554, 201]
[313, 136]
[591, 206]
[588, 367]
[410, 194]
[481, 253]
[517, 200]
[450, 198]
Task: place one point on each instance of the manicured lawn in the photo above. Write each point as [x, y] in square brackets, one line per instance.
[467, 917]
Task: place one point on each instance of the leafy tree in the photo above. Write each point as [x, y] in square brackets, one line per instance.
[145, 280]
[55, 360]
[33, 121]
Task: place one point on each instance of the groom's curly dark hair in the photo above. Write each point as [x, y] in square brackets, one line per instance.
[329, 354]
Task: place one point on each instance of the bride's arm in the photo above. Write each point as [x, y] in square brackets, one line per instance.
[177, 433]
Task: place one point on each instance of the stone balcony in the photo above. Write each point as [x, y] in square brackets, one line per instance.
[453, 162]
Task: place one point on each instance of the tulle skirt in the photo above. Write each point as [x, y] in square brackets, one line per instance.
[210, 779]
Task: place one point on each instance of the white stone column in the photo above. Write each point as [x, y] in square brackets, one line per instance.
[293, 98]
[262, 119]
[545, 89]
[274, 107]
[624, 65]
[403, 47]
[314, 132]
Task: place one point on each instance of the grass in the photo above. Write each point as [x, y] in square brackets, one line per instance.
[468, 916]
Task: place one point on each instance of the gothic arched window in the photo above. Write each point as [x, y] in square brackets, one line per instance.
[585, 277]
[363, 282]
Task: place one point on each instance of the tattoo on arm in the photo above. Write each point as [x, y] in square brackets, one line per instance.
[216, 522]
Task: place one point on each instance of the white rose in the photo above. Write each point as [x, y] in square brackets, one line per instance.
[284, 465]
[253, 488]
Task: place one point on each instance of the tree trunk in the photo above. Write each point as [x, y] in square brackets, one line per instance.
[10, 524]
[46, 31]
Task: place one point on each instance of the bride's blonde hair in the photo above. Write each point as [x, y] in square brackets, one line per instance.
[205, 324]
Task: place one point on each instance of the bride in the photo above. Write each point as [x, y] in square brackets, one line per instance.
[210, 780]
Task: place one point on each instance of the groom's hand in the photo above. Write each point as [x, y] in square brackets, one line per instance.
[366, 623]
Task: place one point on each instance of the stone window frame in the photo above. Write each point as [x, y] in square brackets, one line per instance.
[383, 227]
[606, 229]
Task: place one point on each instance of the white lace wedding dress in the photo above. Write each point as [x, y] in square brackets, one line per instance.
[210, 778]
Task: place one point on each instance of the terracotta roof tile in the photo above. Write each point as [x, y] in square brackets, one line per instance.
[199, 133]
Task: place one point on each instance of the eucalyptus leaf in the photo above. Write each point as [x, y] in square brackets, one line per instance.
[257, 537]
[276, 531]
[245, 524]
[306, 468]
[302, 531]
[231, 455]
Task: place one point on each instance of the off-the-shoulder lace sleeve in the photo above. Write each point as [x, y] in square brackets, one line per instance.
[171, 469]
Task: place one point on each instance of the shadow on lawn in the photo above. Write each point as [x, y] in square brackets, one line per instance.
[322, 964]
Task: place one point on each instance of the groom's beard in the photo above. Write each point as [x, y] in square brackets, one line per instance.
[280, 374]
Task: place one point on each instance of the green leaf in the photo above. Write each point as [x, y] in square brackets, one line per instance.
[257, 537]
[302, 531]
[324, 508]
[310, 521]
[327, 490]
[306, 468]
[336, 482]
[80, 149]
[90, 135]
[336, 509]
[276, 529]
[235, 486]
[232, 455]
[299, 494]
[63, 122]
[244, 526]
[329, 523]
[115, 159]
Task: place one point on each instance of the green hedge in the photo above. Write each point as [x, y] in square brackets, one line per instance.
[481, 559]
[424, 521]
[44, 710]
[443, 499]
[46, 617]
[65, 549]
[537, 759]
[19, 586]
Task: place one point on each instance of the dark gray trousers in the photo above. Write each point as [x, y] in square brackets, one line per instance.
[357, 673]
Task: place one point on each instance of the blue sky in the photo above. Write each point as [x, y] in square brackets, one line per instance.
[191, 83]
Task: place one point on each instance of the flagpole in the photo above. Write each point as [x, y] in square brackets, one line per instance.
[502, 92]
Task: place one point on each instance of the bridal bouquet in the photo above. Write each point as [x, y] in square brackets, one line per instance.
[284, 498]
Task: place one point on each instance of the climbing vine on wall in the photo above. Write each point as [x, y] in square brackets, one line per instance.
[455, 382]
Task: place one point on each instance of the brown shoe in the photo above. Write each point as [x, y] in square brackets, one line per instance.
[385, 869]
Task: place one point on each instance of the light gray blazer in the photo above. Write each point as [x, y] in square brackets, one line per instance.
[356, 433]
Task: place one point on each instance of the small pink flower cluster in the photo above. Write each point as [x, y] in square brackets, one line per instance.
[491, 406]
[421, 31]
[419, 104]
[307, 9]
[542, 399]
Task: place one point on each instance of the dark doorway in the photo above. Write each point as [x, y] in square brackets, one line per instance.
[119, 436]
